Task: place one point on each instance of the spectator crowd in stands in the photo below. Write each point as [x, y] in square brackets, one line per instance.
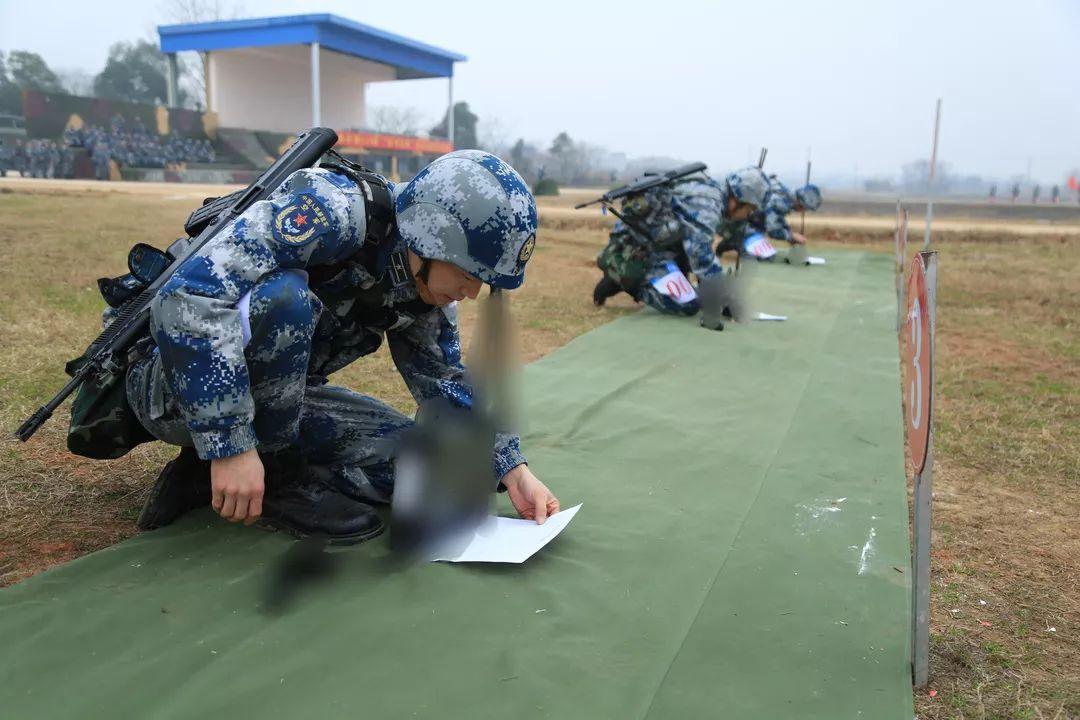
[37, 158]
[129, 144]
[135, 146]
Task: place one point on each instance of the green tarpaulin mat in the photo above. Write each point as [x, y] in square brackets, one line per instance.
[741, 552]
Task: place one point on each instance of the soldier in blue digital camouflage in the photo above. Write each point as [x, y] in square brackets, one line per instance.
[299, 286]
[772, 221]
[668, 235]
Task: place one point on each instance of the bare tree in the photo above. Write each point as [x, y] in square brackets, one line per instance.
[193, 65]
[394, 120]
[76, 81]
[493, 137]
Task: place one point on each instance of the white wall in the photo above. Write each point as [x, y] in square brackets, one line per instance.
[269, 88]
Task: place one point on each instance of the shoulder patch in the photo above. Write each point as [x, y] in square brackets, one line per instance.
[301, 220]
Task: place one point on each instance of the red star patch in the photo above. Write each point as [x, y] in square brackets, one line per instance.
[301, 220]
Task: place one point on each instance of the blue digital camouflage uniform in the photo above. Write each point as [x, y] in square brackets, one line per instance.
[679, 219]
[732, 233]
[772, 220]
[313, 309]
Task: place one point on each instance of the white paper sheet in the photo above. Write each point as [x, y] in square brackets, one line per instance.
[507, 540]
[767, 316]
[815, 260]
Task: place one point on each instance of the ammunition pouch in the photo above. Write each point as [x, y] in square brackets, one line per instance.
[103, 425]
[625, 261]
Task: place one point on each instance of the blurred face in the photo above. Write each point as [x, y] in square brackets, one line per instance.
[446, 283]
[739, 211]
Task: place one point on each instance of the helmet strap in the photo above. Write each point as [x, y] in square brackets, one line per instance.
[425, 270]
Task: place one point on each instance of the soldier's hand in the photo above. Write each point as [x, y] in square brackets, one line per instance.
[798, 239]
[236, 485]
[530, 497]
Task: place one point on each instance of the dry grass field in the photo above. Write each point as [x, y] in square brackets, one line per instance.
[1006, 561]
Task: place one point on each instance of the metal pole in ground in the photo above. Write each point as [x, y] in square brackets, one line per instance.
[930, 183]
[901, 256]
[802, 213]
[922, 324]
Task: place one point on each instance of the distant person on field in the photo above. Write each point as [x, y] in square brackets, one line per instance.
[1035, 194]
[1015, 192]
[993, 193]
[1055, 194]
[100, 156]
[19, 157]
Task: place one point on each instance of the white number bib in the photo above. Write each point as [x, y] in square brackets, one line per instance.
[675, 285]
[759, 246]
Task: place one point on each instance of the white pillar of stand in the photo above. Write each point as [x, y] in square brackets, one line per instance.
[450, 111]
[170, 82]
[316, 102]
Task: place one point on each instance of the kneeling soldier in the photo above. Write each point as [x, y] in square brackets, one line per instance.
[771, 223]
[248, 330]
[668, 234]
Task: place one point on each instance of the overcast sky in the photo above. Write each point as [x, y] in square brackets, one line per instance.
[855, 80]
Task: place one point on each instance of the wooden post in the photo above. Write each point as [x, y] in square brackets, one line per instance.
[930, 182]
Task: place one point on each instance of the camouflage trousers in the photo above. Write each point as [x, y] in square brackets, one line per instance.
[331, 434]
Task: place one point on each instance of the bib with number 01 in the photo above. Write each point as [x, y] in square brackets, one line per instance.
[759, 246]
[675, 285]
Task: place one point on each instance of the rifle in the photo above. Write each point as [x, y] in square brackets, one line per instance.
[761, 157]
[107, 354]
[645, 183]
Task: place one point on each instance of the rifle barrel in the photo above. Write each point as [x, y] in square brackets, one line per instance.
[39, 418]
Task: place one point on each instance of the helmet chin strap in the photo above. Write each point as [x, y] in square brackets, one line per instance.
[424, 271]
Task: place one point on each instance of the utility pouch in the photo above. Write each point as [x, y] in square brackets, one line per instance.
[625, 262]
[103, 425]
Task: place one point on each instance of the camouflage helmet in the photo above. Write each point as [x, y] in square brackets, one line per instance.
[809, 196]
[749, 186]
[471, 209]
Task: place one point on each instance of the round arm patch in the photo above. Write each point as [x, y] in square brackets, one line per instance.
[303, 219]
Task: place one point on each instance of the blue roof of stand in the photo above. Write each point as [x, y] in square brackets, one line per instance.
[410, 58]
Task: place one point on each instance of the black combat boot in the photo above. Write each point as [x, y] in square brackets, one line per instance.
[183, 485]
[604, 289]
[309, 509]
[306, 508]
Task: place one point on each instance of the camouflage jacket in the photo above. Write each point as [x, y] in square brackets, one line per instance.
[732, 233]
[773, 219]
[679, 221]
[316, 221]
